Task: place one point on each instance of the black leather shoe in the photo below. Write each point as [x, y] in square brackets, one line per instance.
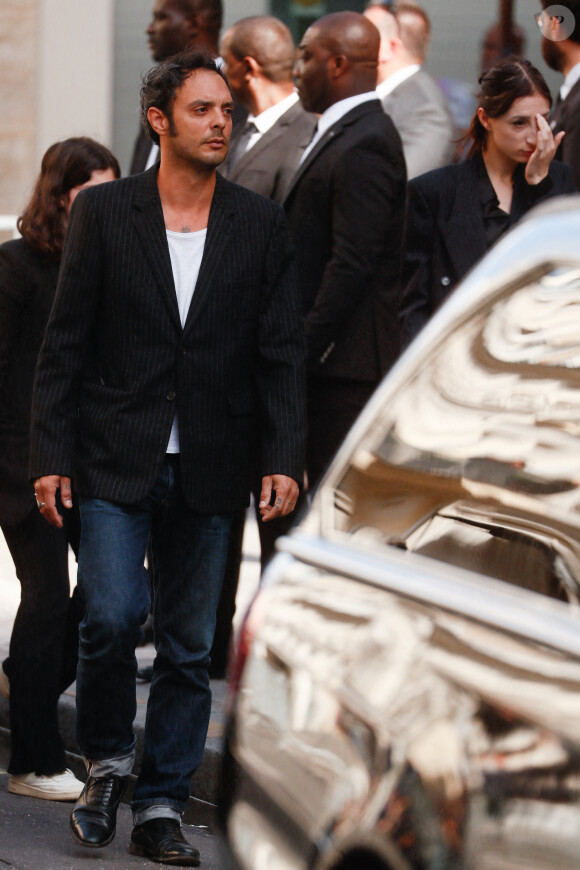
[161, 840]
[94, 817]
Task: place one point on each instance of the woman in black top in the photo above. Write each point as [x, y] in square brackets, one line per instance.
[456, 213]
[44, 642]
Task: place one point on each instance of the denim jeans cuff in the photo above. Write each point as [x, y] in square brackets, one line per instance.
[119, 765]
[157, 811]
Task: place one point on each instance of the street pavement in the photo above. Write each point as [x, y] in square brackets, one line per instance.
[34, 834]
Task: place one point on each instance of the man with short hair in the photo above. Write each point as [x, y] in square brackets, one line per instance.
[408, 94]
[561, 51]
[346, 209]
[259, 54]
[169, 380]
[176, 25]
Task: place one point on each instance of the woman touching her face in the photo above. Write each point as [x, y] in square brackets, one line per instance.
[456, 213]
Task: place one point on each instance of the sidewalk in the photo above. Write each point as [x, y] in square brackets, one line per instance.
[205, 782]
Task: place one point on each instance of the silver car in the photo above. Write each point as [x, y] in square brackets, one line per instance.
[406, 690]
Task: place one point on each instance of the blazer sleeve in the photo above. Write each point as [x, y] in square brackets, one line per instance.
[281, 377]
[416, 302]
[368, 184]
[67, 339]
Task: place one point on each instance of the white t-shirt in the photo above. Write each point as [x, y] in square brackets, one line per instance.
[186, 252]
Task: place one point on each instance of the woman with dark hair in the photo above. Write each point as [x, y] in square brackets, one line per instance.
[456, 213]
[43, 646]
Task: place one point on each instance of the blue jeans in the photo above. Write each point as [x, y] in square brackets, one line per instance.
[188, 551]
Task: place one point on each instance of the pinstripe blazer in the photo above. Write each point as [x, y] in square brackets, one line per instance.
[116, 363]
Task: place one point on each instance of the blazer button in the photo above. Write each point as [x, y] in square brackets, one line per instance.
[170, 397]
[445, 281]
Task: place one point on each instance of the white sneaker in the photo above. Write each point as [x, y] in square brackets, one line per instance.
[60, 787]
[4, 683]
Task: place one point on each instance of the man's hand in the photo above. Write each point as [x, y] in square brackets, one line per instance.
[285, 491]
[45, 489]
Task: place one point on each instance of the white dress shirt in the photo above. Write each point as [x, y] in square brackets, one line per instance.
[569, 82]
[395, 79]
[266, 120]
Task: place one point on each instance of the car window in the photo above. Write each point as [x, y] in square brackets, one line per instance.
[486, 425]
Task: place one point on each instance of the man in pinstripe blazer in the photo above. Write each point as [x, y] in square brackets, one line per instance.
[170, 376]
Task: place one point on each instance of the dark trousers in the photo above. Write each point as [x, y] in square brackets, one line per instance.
[333, 406]
[44, 642]
[269, 533]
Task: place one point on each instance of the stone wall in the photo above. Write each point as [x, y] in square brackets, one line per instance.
[18, 98]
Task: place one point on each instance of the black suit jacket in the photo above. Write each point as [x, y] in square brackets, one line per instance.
[141, 152]
[567, 117]
[269, 166]
[345, 209]
[445, 232]
[27, 288]
[116, 364]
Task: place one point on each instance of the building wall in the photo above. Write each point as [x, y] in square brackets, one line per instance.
[75, 73]
[19, 27]
[57, 81]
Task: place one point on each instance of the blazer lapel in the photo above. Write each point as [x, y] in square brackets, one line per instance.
[217, 239]
[331, 134]
[464, 230]
[150, 225]
[250, 156]
[267, 140]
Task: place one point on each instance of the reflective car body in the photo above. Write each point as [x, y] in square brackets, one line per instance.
[407, 687]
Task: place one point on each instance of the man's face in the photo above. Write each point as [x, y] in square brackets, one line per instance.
[552, 54]
[311, 72]
[201, 120]
[169, 30]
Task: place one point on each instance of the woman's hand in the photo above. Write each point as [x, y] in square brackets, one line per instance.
[546, 147]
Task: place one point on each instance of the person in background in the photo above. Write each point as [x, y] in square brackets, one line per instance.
[44, 643]
[408, 94]
[456, 213]
[258, 55]
[561, 51]
[345, 208]
[176, 25]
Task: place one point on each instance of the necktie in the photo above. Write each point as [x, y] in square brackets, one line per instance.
[242, 143]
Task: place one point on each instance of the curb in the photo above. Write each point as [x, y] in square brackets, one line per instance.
[205, 781]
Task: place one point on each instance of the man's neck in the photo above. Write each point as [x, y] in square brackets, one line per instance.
[267, 95]
[186, 195]
[386, 70]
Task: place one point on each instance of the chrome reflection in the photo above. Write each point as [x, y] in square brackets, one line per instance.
[362, 713]
[490, 421]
